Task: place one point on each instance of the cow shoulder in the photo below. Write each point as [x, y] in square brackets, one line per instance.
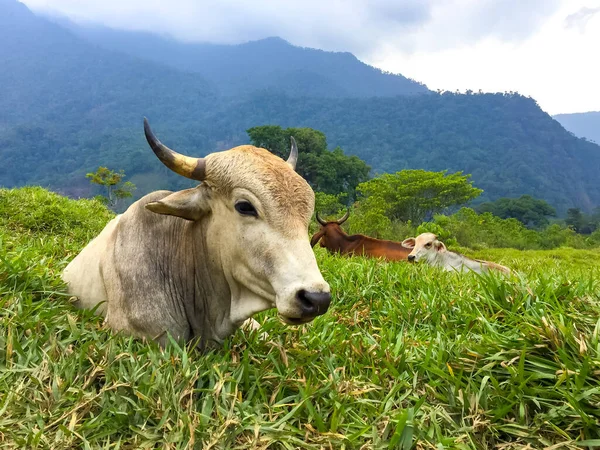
[83, 274]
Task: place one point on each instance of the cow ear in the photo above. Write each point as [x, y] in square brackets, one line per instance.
[189, 204]
[439, 246]
[317, 237]
[408, 243]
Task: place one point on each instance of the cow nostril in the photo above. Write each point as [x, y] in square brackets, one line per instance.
[411, 257]
[313, 303]
[305, 303]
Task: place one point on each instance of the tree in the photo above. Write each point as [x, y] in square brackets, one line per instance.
[273, 138]
[329, 204]
[113, 184]
[369, 217]
[531, 212]
[575, 219]
[594, 219]
[416, 195]
[581, 223]
[331, 172]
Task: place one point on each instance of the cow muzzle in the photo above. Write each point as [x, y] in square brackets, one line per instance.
[411, 258]
[313, 304]
[310, 305]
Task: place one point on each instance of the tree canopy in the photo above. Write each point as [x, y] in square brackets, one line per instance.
[530, 211]
[114, 186]
[583, 223]
[415, 195]
[331, 172]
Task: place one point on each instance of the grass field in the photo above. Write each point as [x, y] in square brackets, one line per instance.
[407, 357]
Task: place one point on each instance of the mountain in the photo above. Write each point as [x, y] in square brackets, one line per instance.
[275, 64]
[60, 98]
[68, 106]
[583, 125]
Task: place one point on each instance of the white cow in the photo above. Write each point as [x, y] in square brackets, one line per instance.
[197, 263]
[427, 247]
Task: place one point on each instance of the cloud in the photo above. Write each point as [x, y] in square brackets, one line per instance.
[555, 64]
[358, 26]
[581, 18]
[329, 24]
[465, 23]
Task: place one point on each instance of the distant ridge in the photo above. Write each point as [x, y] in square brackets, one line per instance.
[275, 64]
[583, 125]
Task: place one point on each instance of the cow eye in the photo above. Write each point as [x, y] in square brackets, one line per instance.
[246, 209]
[428, 245]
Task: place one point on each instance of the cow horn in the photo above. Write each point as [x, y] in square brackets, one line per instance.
[343, 219]
[321, 221]
[293, 158]
[194, 168]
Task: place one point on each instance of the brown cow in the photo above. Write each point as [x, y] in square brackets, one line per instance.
[334, 239]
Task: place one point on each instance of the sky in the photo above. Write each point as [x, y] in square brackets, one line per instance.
[546, 49]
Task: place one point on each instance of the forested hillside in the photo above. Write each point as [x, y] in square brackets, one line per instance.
[509, 145]
[68, 106]
[585, 125]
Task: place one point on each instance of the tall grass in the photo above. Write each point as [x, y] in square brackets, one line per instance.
[408, 356]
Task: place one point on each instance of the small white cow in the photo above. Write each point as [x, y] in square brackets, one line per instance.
[427, 247]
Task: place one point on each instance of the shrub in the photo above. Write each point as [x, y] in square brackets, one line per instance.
[368, 217]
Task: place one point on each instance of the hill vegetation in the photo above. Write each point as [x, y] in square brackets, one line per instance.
[531, 212]
[508, 144]
[406, 356]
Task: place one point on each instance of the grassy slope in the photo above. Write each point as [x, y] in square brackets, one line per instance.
[406, 356]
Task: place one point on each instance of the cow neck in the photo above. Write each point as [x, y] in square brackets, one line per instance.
[239, 301]
[338, 239]
[441, 260]
[469, 263]
[454, 260]
[209, 318]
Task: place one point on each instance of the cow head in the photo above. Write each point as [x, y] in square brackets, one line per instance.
[253, 210]
[424, 246]
[329, 232]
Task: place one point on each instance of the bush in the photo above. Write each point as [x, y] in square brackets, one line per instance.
[594, 239]
[329, 205]
[368, 217]
[485, 230]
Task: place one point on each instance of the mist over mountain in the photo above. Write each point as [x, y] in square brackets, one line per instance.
[583, 125]
[70, 103]
[272, 64]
